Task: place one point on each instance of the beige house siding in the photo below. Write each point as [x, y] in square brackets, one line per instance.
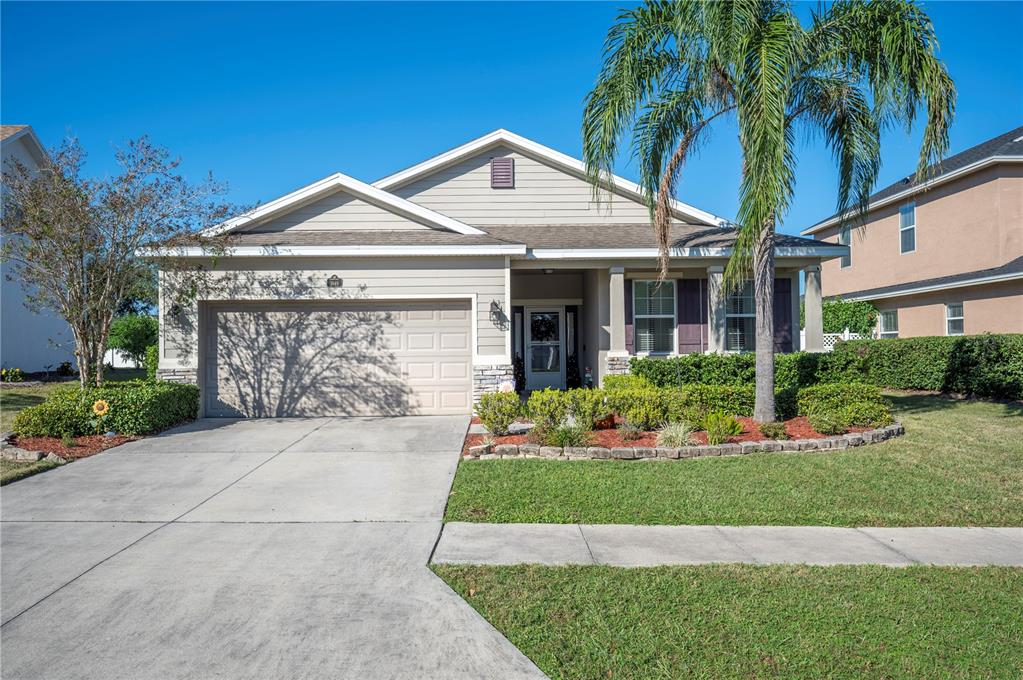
[363, 278]
[338, 211]
[542, 195]
[965, 225]
[539, 286]
[994, 308]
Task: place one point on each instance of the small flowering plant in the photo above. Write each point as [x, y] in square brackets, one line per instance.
[100, 409]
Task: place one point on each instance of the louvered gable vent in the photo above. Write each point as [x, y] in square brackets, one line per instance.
[502, 173]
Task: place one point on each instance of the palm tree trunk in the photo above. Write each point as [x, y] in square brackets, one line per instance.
[763, 294]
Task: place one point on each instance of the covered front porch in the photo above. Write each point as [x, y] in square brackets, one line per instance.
[574, 322]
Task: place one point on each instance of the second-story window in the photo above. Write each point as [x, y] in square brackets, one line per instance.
[843, 239]
[907, 227]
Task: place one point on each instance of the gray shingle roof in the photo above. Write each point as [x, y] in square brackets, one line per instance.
[1011, 267]
[588, 236]
[1007, 144]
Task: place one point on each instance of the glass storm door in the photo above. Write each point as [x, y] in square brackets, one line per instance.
[545, 348]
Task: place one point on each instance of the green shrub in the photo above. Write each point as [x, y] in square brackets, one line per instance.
[831, 397]
[568, 435]
[837, 315]
[674, 435]
[865, 414]
[982, 365]
[774, 430]
[12, 375]
[703, 399]
[587, 406]
[827, 423]
[720, 426]
[498, 410]
[641, 407]
[798, 369]
[136, 408]
[152, 361]
[625, 382]
[630, 432]
[547, 408]
[132, 334]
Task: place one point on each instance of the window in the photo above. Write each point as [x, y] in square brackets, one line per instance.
[889, 324]
[740, 320]
[907, 227]
[954, 318]
[843, 239]
[653, 313]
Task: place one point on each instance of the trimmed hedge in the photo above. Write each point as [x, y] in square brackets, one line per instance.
[136, 407]
[152, 361]
[650, 407]
[833, 396]
[791, 371]
[982, 365]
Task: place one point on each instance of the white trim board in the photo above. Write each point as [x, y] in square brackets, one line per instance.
[1012, 276]
[530, 148]
[330, 251]
[902, 195]
[357, 188]
[829, 250]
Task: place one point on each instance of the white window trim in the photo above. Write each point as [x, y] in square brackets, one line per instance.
[909, 204]
[961, 317]
[673, 316]
[845, 239]
[749, 315]
[881, 332]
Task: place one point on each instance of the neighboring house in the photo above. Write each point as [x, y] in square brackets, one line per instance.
[415, 294]
[29, 341]
[943, 257]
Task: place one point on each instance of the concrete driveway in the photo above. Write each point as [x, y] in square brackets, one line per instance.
[244, 549]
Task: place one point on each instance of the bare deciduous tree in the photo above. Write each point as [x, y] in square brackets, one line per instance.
[72, 241]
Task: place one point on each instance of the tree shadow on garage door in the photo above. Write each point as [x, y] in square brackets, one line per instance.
[303, 359]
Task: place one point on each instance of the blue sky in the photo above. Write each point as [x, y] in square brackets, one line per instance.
[270, 97]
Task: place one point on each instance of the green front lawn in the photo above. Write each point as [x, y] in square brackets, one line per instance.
[12, 471]
[958, 465]
[742, 621]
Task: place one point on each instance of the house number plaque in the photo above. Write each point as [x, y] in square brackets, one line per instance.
[334, 282]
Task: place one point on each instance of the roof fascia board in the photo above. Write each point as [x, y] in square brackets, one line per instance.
[828, 252]
[902, 195]
[31, 141]
[357, 188]
[529, 147]
[333, 251]
[1011, 276]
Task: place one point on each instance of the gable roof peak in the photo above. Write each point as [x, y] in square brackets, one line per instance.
[530, 148]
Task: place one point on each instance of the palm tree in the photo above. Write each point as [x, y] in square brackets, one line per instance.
[673, 68]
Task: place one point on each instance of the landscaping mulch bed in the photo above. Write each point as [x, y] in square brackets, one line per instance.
[85, 446]
[797, 428]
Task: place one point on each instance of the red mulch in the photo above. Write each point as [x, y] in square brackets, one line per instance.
[86, 446]
[797, 428]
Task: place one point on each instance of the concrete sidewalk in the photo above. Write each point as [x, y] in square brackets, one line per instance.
[623, 545]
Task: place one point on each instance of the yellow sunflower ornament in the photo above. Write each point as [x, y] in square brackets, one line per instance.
[101, 407]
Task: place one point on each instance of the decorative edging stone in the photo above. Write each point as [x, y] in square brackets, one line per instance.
[827, 444]
[9, 451]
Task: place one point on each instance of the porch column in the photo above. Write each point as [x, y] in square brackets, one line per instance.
[716, 313]
[617, 305]
[813, 312]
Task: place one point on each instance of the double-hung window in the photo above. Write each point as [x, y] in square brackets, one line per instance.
[653, 312]
[843, 239]
[907, 227]
[954, 318]
[889, 324]
[740, 320]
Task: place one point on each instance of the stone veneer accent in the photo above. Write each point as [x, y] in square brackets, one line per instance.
[827, 444]
[489, 378]
[617, 365]
[179, 375]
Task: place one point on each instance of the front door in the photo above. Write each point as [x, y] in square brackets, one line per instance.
[545, 347]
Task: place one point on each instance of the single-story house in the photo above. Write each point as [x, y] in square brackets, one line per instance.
[419, 292]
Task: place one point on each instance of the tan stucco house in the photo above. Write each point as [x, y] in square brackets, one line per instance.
[942, 257]
[419, 292]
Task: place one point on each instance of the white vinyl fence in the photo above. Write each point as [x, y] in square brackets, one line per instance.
[831, 338]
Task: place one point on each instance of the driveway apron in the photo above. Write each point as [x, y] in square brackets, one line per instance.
[289, 548]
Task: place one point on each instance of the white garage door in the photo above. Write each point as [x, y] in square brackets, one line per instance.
[337, 358]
